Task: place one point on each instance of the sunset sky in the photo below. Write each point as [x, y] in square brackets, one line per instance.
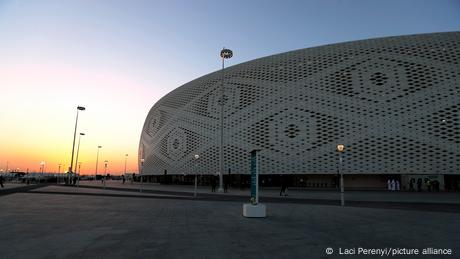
[117, 58]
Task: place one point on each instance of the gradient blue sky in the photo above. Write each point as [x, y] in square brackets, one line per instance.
[119, 57]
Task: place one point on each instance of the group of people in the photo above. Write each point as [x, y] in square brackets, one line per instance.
[284, 182]
[393, 185]
[214, 183]
[412, 183]
[430, 185]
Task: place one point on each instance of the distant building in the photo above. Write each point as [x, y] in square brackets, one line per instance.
[394, 102]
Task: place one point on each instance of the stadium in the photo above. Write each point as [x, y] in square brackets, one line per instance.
[393, 102]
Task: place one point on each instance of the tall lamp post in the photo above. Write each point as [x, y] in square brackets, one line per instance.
[79, 108]
[42, 167]
[142, 171]
[224, 54]
[126, 159]
[97, 161]
[78, 173]
[105, 172]
[196, 169]
[59, 172]
[76, 161]
[341, 149]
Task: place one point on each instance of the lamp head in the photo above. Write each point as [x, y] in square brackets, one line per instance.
[340, 147]
[81, 108]
[226, 53]
[197, 156]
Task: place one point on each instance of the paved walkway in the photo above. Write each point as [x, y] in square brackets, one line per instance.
[55, 225]
[438, 202]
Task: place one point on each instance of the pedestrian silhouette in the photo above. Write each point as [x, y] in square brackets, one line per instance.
[392, 185]
[213, 183]
[225, 183]
[428, 185]
[419, 184]
[411, 184]
[283, 184]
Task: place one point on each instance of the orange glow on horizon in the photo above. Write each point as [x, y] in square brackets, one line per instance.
[38, 118]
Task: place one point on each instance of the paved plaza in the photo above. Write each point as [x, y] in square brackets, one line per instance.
[167, 222]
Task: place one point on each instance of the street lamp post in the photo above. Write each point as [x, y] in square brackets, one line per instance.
[76, 161]
[341, 149]
[196, 168]
[142, 169]
[78, 174]
[105, 172]
[42, 167]
[97, 161]
[224, 54]
[126, 159]
[58, 174]
[79, 108]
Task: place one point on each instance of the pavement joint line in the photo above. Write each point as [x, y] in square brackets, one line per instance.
[136, 190]
[115, 195]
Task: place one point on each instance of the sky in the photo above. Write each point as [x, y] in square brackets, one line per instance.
[117, 58]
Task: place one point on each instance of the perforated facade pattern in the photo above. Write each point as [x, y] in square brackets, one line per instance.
[394, 102]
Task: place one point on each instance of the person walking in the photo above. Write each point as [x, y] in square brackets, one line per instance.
[225, 183]
[428, 185]
[392, 185]
[435, 185]
[123, 178]
[389, 184]
[1, 181]
[283, 185]
[213, 183]
[397, 185]
[419, 184]
[411, 184]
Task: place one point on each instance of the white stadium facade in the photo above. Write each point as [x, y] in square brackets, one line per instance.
[393, 102]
